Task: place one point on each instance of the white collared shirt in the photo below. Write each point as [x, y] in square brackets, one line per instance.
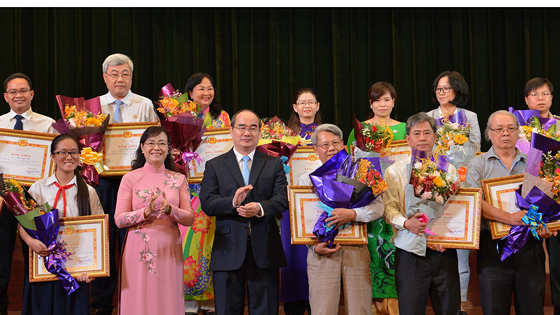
[135, 108]
[31, 121]
[45, 190]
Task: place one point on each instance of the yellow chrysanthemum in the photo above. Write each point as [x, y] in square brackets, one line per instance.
[438, 181]
[460, 139]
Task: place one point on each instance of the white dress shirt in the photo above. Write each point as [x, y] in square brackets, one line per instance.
[239, 158]
[135, 108]
[31, 121]
[45, 190]
[368, 213]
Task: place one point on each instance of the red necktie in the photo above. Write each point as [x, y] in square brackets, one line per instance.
[61, 189]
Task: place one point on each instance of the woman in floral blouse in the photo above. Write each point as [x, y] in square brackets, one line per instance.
[198, 239]
[151, 201]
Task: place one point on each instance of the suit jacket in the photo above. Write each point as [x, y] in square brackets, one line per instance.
[222, 177]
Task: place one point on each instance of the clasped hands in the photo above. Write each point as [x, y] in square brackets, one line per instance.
[153, 207]
[250, 209]
[40, 248]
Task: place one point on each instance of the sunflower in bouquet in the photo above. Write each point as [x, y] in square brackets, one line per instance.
[430, 183]
[377, 137]
[79, 118]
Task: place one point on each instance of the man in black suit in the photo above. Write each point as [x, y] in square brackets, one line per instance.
[245, 189]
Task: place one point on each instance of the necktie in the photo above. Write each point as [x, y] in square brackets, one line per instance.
[117, 116]
[61, 189]
[245, 170]
[19, 123]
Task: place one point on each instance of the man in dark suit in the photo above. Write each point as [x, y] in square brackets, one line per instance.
[245, 189]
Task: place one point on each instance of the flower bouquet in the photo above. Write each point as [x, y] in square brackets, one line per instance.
[83, 119]
[430, 186]
[453, 139]
[531, 123]
[278, 140]
[41, 223]
[344, 183]
[180, 117]
[372, 140]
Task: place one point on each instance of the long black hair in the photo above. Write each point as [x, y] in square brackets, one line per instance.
[140, 159]
[195, 79]
[84, 207]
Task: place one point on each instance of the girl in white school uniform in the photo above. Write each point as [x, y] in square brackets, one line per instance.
[66, 191]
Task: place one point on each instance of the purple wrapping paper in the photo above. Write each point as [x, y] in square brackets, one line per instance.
[544, 144]
[459, 118]
[47, 231]
[442, 161]
[524, 116]
[519, 234]
[337, 194]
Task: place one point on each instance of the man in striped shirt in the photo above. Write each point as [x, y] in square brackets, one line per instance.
[523, 273]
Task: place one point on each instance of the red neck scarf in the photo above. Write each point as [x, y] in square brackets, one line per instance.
[61, 189]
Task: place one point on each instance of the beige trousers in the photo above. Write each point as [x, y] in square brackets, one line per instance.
[385, 306]
[349, 266]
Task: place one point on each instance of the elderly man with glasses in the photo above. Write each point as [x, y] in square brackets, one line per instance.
[328, 268]
[523, 273]
[18, 93]
[124, 107]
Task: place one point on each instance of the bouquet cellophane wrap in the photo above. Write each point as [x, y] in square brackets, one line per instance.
[92, 137]
[459, 155]
[405, 239]
[336, 194]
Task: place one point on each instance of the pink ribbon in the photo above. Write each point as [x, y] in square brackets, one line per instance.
[424, 219]
[167, 90]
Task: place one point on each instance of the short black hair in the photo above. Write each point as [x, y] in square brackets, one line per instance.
[536, 83]
[457, 83]
[17, 76]
[234, 117]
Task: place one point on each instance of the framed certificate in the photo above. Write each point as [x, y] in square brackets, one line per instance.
[458, 225]
[304, 160]
[215, 142]
[500, 192]
[87, 238]
[120, 144]
[400, 150]
[304, 212]
[26, 155]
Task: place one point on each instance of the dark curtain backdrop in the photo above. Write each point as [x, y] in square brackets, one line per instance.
[260, 57]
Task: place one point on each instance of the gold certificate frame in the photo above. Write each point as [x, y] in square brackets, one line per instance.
[400, 150]
[304, 212]
[215, 142]
[26, 155]
[458, 225]
[87, 237]
[500, 193]
[303, 161]
[119, 146]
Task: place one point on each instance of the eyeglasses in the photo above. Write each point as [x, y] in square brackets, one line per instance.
[151, 144]
[325, 146]
[544, 94]
[445, 90]
[501, 130]
[64, 154]
[13, 93]
[115, 76]
[303, 103]
[243, 129]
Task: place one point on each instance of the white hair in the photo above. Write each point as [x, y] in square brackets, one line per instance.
[115, 60]
[325, 127]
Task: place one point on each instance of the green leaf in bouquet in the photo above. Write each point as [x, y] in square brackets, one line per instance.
[26, 220]
[183, 98]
